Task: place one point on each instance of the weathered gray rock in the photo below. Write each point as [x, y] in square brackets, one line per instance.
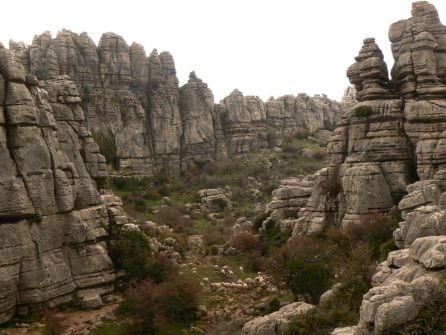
[344, 331]
[197, 103]
[287, 200]
[277, 322]
[419, 49]
[430, 251]
[369, 73]
[292, 114]
[216, 199]
[54, 212]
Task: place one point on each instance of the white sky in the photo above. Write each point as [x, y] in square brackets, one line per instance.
[262, 47]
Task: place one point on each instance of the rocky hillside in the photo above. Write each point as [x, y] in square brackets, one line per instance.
[133, 105]
[56, 211]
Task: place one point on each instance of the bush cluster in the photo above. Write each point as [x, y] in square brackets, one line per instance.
[147, 306]
[131, 252]
[311, 265]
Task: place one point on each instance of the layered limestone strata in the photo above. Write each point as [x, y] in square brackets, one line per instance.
[288, 199]
[394, 135]
[133, 101]
[409, 278]
[387, 153]
[55, 209]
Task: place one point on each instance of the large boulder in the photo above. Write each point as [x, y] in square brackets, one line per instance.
[276, 323]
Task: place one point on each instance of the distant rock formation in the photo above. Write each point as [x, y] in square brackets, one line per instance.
[56, 211]
[134, 101]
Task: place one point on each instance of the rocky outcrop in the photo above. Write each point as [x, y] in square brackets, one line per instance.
[197, 108]
[134, 107]
[243, 122]
[387, 154]
[288, 199]
[56, 212]
[276, 323]
[215, 199]
[303, 113]
[394, 135]
[410, 277]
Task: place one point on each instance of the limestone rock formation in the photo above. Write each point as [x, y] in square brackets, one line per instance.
[197, 104]
[275, 323]
[387, 154]
[303, 112]
[287, 200]
[243, 121]
[409, 277]
[418, 46]
[134, 107]
[55, 209]
[215, 199]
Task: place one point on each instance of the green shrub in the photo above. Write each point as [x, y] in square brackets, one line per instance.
[340, 310]
[176, 217]
[160, 269]
[139, 308]
[308, 279]
[273, 238]
[131, 252]
[147, 307]
[215, 235]
[273, 305]
[247, 244]
[375, 230]
[129, 184]
[288, 147]
[179, 298]
[329, 125]
[258, 221]
[87, 95]
[363, 111]
[306, 265]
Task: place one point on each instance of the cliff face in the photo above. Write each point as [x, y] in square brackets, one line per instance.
[55, 209]
[134, 102]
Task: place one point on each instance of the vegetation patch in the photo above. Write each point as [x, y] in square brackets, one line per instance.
[149, 307]
[363, 111]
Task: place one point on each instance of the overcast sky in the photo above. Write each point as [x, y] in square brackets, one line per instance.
[264, 48]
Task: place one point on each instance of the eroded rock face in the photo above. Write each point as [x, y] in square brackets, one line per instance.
[55, 209]
[133, 103]
[419, 48]
[289, 198]
[276, 323]
[197, 107]
[388, 151]
[409, 277]
[394, 135]
[303, 112]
